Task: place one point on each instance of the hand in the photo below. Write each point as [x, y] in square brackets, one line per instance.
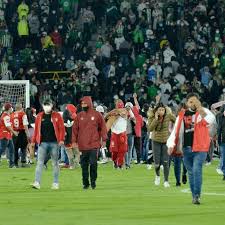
[197, 104]
[156, 115]
[170, 151]
[32, 145]
[15, 133]
[134, 95]
[61, 143]
[74, 145]
[157, 98]
[28, 139]
[103, 144]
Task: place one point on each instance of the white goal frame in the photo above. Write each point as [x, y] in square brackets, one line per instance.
[27, 88]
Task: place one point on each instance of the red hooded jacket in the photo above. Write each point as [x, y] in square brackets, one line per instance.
[89, 128]
[58, 124]
[139, 121]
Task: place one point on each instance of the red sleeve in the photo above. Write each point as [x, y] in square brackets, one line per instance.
[61, 128]
[36, 127]
[75, 131]
[103, 129]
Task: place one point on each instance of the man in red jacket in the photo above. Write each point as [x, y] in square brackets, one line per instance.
[49, 133]
[20, 124]
[89, 133]
[190, 135]
[6, 132]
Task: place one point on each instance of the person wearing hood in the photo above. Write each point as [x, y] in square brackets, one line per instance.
[6, 131]
[118, 141]
[49, 133]
[69, 115]
[158, 123]
[89, 133]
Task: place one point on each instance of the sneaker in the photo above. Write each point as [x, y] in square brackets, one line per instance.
[166, 184]
[184, 179]
[93, 186]
[24, 165]
[142, 162]
[120, 167]
[157, 180]
[219, 171]
[196, 200]
[149, 166]
[13, 167]
[161, 167]
[178, 184]
[115, 165]
[72, 167]
[55, 186]
[127, 167]
[65, 166]
[103, 161]
[36, 185]
[208, 163]
[85, 187]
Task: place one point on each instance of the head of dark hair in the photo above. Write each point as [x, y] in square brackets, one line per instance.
[193, 94]
[159, 105]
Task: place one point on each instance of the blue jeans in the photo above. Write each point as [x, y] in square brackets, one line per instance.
[222, 157]
[193, 162]
[5, 143]
[178, 161]
[128, 156]
[53, 149]
[145, 147]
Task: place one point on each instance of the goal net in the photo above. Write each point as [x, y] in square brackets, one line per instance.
[15, 91]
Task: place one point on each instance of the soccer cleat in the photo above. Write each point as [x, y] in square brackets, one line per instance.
[157, 180]
[36, 185]
[166, 184]
[55, 186]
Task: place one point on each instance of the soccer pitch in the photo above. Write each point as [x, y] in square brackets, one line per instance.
[122, 197]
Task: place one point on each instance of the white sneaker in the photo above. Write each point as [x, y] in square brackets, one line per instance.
[161, 167]
[219, 171]
[72, 167]
[55, 186]
[208, 164]
[166, 184]
[157, 180]
[36, 185]
[149, 166]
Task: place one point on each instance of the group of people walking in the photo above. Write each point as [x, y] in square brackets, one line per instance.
[184, 139]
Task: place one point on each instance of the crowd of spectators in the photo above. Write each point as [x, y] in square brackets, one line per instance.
[148, 47]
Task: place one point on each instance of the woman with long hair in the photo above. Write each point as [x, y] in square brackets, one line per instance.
[158, 123]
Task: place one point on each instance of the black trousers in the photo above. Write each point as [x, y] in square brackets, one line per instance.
[20, 142]
[89, 159]
[137, 145]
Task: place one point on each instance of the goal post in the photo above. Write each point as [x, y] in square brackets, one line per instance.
[15, 91]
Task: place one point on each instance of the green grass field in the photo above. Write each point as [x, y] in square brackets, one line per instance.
[126, 197]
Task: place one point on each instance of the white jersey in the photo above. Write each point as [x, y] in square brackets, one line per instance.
[119, 126]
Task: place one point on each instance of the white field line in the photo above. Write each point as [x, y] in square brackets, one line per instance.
[204, 193]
